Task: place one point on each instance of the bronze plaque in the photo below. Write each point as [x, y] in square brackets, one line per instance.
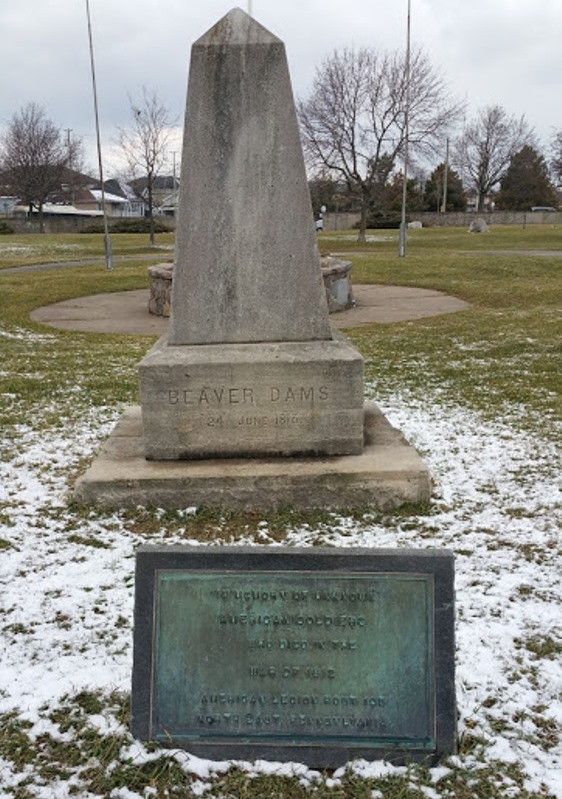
[267, 655]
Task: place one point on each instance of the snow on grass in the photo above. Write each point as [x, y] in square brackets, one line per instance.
[39, 249]
[20, 334]
[67, 583]
[16, 249]
[370, 238]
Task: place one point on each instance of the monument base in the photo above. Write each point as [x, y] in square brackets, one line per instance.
[254, 400]
[388, 474]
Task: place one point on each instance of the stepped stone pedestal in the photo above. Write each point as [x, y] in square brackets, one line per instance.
[250, 400]
[387, 474]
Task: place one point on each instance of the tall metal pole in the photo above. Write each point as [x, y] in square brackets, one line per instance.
[106, 237]
[445, 179]
[250, 7]
[70, 163]
[402, 237]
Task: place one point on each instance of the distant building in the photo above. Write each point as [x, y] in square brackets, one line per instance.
[80, 195]
[57, 209]
[165, 191]
[472, 201]
[116, 205]
[7, 204]
[120, 200]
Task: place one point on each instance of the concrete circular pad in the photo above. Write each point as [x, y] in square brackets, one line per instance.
[127, 311]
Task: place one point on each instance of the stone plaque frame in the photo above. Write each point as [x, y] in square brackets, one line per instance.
[318, 656]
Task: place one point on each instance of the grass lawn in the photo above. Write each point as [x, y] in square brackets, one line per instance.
[477, 392]
[36, 248]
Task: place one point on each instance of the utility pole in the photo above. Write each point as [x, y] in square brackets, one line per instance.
[68, 131]
[106, 238]
[445, 178]
[402, 237]
[174, 184]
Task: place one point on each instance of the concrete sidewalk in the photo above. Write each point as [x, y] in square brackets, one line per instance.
[127, 311]
[83, 262]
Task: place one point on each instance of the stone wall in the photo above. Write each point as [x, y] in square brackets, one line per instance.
[332, 221]
[67, 224]
[345, 221]
[433, 219]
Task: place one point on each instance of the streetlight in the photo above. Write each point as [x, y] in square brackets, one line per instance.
[402, 237]
[106, 238]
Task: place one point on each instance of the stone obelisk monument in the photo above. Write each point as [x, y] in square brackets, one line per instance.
[250, 401]
[250, 366]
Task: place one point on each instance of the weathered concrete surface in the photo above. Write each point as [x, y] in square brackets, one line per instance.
[389, 473]
[251, 400]
[247, 262]
[126, 311]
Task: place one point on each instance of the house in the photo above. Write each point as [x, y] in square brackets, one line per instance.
[472, 201]
[119, 200]
[165, 190]
[169, 204]
[57, 210]
[80, 195]
[119, 188]
[7, 204]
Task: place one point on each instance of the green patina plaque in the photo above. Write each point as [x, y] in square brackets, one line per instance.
[293, 656]
[314, 655]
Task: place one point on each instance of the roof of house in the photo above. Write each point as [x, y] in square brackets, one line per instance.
[161, 182]
[116, 199]
[56, 209]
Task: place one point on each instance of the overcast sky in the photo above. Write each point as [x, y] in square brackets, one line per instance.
[506, 52]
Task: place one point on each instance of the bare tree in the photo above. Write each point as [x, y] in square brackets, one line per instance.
[145, 143]
[34, 157]
[485, 149]
[354, 121]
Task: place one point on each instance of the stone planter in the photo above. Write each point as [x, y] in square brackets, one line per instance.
[160, 286]
[336, 275]
[337, 282]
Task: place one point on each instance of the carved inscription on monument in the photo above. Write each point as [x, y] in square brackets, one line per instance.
[253, 407]
[256, 408]
[278, 656]
[224, 396]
